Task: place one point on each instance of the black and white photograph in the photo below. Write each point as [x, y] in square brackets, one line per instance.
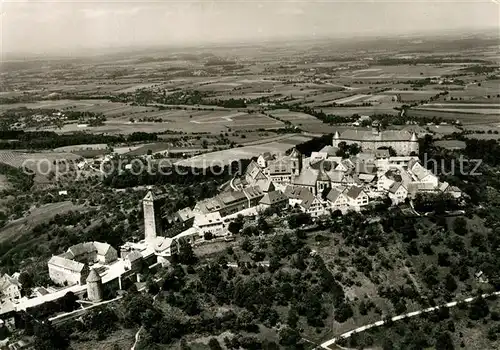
[250, 174]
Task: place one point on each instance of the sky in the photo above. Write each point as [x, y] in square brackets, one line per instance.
[68, 25]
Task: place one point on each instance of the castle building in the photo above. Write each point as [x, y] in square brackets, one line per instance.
[94, 286]
[403, 142]
[71, 267]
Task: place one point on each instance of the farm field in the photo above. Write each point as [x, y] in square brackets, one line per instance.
[450, 144]
[478, 108]
[289, 116]
[227, 156]
[109, 109]
[464, 118]
[385, 108]
[402, 72]
[81, 147]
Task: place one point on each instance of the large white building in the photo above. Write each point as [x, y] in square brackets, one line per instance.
[403, 142]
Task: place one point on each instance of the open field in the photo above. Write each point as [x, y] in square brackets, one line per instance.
[227, 156]
[109, 109]
[450, 144]
[464, 118]
[401, 72]
[289, 116]
[474, 108]
[386, 108]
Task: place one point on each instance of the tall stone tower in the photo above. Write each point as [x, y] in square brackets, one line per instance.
[414, 146]
[336, 139]
[296, 162]
[152, 217]
[94, 286]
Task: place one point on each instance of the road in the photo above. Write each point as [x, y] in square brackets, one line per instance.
[77, 313]
[328, 343]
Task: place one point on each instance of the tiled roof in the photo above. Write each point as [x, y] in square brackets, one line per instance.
[102, 248]
[307, 177]
[334, 194]
[354, 192]
[279, 166]
[253, 192]
[82, 248]
[307, 199]
[329, 150]
[66, 263]
[419, 171]
[265, 185]
[273, 198]
[369, 135]
[394, 187]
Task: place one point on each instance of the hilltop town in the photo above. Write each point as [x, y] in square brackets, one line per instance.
[301, 194]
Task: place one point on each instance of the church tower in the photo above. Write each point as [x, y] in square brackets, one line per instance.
[336, 139]
[414, 146]
[296, 162]
[152, 218]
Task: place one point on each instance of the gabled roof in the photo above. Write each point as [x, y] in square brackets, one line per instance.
[307, 177]
[102, 248]
[154, 196]
[369, 135]
[307, 199]
[329, 150]
[354, 192]
[185, 214]
[273, 198]
[336, 176]
[334, 194]
[6, 281]
[252, 192]
[72, 265]
[382, 153]
[419, 171]
[266, 156]
[393, 175]
[395, 187]
[208, 219]
[279, 166]
[82, 248]
[265, 185]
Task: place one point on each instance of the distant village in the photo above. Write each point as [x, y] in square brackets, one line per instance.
[318, 185]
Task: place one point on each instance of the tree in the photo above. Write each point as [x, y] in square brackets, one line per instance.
[460, 226]
[478, 309]
[247, 245]
[289, 336]
[444, 342]
[214, 344]
[450, 283]
[48, 338]
[343, 312]
[293, 317]
[186, 254]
